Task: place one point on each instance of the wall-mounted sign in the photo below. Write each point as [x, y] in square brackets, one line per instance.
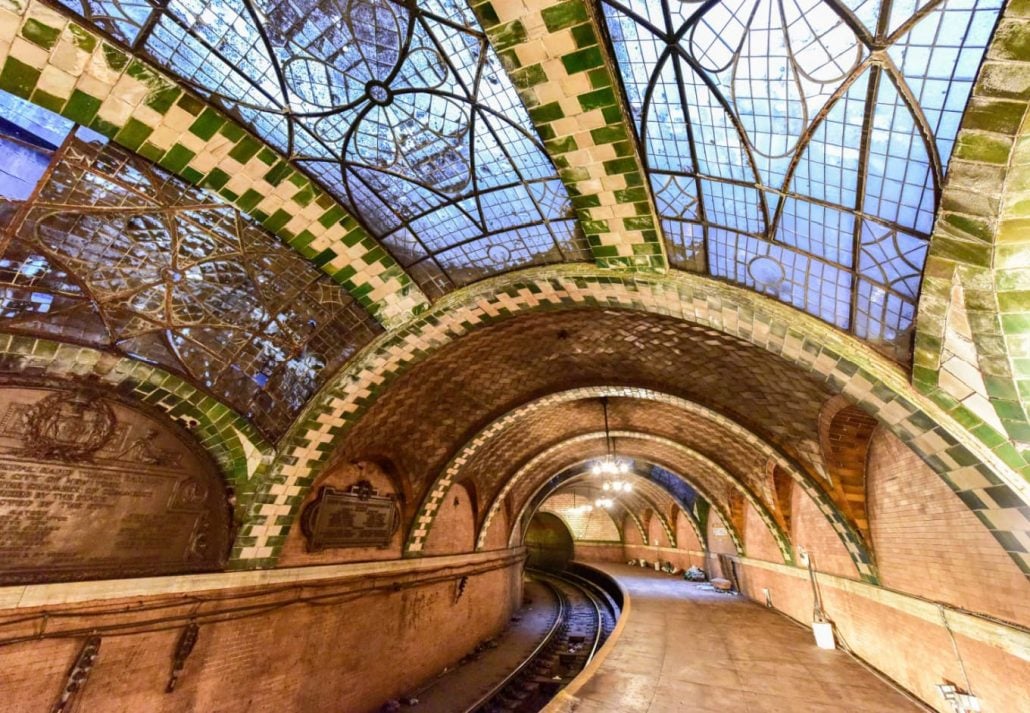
[356, 517]
[94, 487]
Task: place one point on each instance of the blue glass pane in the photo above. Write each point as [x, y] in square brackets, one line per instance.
[829, 163]
[939, 58]
[763, 92]
[899, 182]
[814, 286]
[686, 244]
[675, 196]
[892, 258]
[732, 206]
[123, 19]
[816, 229]
[881, 316]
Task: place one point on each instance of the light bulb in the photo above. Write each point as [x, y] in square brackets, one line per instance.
[607, 485]
[628, 487]
[596, 469]
[623, 467]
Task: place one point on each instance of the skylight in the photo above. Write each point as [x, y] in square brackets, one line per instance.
[798, 146]
[401, 111]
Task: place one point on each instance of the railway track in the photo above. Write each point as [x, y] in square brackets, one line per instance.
[585, 618]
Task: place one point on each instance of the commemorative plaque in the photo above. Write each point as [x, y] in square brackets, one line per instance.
[92, 487]
[356, 517]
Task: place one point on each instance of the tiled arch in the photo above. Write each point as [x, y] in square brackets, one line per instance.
[561, 478]
[989, 480]
[452, 472]
[973, 322]
[576, 468]
[238, 448]
[572, 475]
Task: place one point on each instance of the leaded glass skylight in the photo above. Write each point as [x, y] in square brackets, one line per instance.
[798, 146]
[401, 110]
[102, 248]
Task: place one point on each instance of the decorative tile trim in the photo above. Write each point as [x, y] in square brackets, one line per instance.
[237, 447]
[562, 73]
[544, 489]
[979, 249]
[50, 60]
[452, 472]
[991, 482]
[573, 473]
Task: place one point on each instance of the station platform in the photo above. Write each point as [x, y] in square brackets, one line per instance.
[685, 647]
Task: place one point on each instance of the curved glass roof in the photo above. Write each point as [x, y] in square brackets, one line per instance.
[798, 146]
[100, 247]
[401, 111]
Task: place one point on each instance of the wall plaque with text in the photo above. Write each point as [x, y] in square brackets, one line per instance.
[356, 517]
[92, 487]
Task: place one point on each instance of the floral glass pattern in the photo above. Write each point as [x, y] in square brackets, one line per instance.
[798, 146]
[400, 110]
[113, 252]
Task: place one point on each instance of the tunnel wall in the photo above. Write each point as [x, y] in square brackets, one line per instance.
[932, 555]
[339, 653]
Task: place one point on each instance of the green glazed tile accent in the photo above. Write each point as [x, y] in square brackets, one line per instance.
[845, 364]
[47, 58]
[973, 322]
[236, 447]
[560, 70]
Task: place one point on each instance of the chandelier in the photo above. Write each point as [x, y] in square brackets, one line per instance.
[611, 464]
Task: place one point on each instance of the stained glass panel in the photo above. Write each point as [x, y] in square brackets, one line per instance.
[810, 159]
[401, 110]
[115, 253]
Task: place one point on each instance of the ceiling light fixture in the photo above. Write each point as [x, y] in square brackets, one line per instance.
[611, 464]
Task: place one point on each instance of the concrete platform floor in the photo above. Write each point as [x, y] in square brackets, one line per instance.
[685, 648]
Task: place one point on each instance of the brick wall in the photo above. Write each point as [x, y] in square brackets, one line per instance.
[928, 543]
[294, 552]
[686, 538]
[915, 653]
[454, 530]
[811, 530]
[758, 541]
[296, 658]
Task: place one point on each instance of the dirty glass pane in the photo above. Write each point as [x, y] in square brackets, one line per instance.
[115, 253]
[400, 110]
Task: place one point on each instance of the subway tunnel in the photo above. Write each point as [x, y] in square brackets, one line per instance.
[575, 355]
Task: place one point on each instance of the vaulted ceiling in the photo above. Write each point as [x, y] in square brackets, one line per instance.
[435, 235]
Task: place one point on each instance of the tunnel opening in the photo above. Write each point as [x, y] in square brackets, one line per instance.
[548, 543]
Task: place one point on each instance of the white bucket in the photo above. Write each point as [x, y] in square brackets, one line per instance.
[823, 631]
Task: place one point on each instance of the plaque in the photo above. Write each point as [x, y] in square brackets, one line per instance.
[92, 487]
[356, 517]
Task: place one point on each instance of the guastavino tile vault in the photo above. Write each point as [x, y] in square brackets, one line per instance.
[350, 349]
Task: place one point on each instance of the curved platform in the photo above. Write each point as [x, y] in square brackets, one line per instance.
[684, 647]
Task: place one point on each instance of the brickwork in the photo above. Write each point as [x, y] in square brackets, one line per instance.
[278, 659]
[915, 651]
[929, 544]
[812, 532]
[456, 531]
[238, 448]
[595, 525]
[295, 552]
[971, 332]
[844, 433]
[759, 543]
[841, 363]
